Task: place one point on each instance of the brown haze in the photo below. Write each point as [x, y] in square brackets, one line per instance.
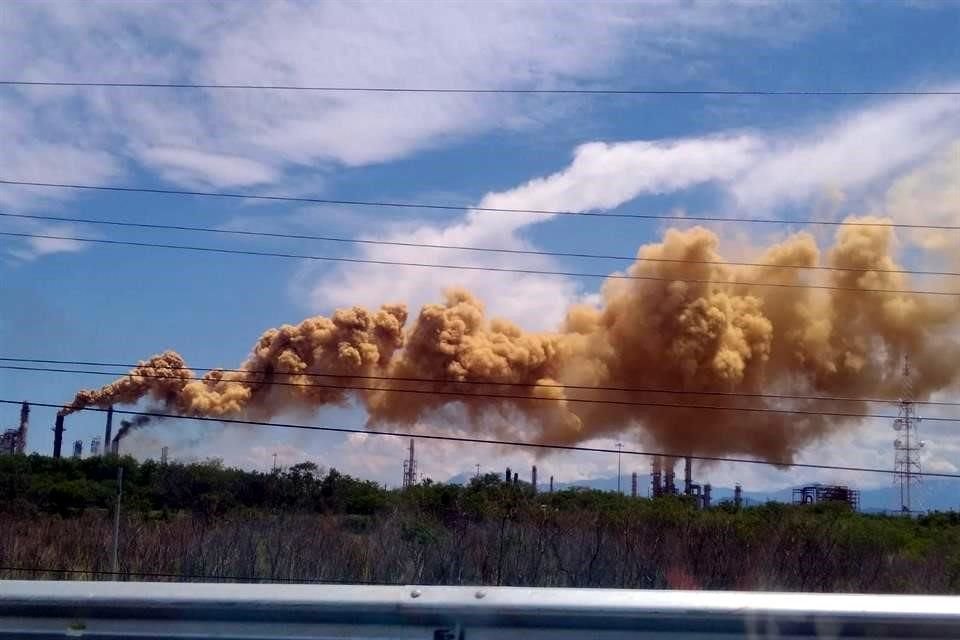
[720, 333]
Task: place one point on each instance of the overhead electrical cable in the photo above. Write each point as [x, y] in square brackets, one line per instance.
[450, 381]
[428, 265]
[422, 245]
[461, 208]
[600, 91]
[505, 396]
[489, 441]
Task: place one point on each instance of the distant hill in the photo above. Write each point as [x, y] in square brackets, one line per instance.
[935, 494]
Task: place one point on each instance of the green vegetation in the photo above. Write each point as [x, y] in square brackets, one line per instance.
[69, 486]
[303, 523]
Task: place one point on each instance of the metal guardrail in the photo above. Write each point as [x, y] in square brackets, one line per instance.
[41, 609]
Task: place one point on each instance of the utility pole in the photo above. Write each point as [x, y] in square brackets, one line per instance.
[116, 524]
[274, 462]
[619, 451]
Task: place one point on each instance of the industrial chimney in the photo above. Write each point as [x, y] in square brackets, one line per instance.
[164, 451]
[509, 476]
[516, 478]
[24, 426]
[706, 495]
[551, 484]
[669, 484]
[633, 485]
[533, 478]
[656, 478]
[687, 475]
[57, 436]
[738, 496]
[108, 431]
[78, 448]
[115, 447]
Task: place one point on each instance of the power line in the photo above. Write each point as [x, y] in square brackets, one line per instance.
[484, 395]
[487, 383]
[460, 208]
[499, 442]
[502, 396]
[428, 265]
[486, 90]
[422, 245]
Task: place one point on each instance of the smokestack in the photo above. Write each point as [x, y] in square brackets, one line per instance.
[24, 426]
[533, 478]
[687, 475]
[706, 495]
[108, 431]
[670, 485]
[163, 454]
[95, 447]
[656, 478]
[551, 484]
[412, 465]
[78, 448]
[115, 446]
[738, 496]
[57, 436]
[516, 478]
[509, 476]
[633, 485]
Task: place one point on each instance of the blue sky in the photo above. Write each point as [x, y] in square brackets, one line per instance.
[754, 156]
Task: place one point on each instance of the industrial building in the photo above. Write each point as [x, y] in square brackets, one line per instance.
[9, 441]
[663, 481]
[14, 439]
[821, 493]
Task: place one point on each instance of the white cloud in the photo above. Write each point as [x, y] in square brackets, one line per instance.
[201, 137]
[930, 194]
[853, 153]
[601, 176]
[541, 299]
[759, 171]
[39, 142]
[28, 249]
[763, 170]
[605, 175]
[194, 167]
[44, 246]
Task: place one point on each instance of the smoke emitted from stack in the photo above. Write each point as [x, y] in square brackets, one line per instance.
[687, 321]
[126, 426]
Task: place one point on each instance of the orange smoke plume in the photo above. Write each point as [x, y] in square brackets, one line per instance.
[686, 321]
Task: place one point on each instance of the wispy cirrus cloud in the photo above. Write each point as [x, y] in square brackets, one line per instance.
[230, 138]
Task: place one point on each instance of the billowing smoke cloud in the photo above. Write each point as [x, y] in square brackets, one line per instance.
[687, 321]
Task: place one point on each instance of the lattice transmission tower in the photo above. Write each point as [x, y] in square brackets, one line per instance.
[907, 444]
[410, 469]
